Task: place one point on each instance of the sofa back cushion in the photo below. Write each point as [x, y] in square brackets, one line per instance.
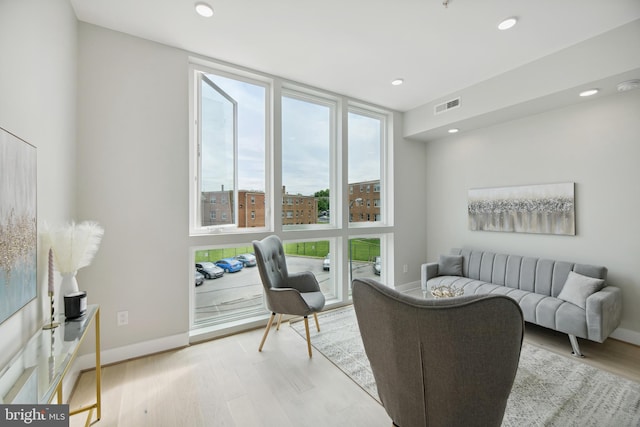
[539, 275]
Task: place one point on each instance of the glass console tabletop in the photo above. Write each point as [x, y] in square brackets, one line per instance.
[36, 373]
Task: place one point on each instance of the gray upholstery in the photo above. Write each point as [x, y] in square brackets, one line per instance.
[440, 362]
[535, 284]
[297, 294]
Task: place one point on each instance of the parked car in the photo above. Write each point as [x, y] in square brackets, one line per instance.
[377, 265]
[199, 278]
[229, 265]
[248, 260]
[326, 264]
[209, 270]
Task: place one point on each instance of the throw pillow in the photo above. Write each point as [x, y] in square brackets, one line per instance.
[450, 265]
[578, 287]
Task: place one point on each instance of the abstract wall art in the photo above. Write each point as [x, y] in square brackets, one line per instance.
[544, 209]
[18, 234]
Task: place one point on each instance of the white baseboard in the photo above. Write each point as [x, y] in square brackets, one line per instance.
[119, 354]
[132, 351]
[626, 335]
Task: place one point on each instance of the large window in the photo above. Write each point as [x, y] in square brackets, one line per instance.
[269, 156]
[308, 134]
[228, 293]
[367, 135]
[365, 258]
[230, 153]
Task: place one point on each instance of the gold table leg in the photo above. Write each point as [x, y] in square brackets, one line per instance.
[98, 368]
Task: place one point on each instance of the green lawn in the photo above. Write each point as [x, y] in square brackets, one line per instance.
[361, 249]
[214, 255]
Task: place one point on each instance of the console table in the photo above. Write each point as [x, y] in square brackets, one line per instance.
[35, 375]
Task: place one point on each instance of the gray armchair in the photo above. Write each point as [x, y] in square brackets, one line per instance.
[440, 362]
[297, 293]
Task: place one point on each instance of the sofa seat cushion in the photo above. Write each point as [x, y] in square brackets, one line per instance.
[546, 311]
[542, 310]
[487, 288]
[516, 294]
[528, 303]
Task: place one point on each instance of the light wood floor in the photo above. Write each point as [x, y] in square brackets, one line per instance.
[226, 382]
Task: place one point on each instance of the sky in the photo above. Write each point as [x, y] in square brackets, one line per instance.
[306, 140]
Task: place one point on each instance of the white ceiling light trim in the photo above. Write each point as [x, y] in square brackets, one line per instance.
[453, 130]
[507, 23]
[204, 10]
[397, 82]
[589, 92]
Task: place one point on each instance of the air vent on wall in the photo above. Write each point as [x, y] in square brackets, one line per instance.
[446, 106]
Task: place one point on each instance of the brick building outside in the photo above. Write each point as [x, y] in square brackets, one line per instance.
[217, 208]
[298, 209]
[368, 208]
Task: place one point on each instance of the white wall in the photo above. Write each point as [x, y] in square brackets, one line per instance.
[410, 201]
[594, 144]
[133, 144]
[38, 104]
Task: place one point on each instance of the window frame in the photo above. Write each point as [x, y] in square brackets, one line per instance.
[337, 229]
[323, 99]
[198, 67]
[386, 167]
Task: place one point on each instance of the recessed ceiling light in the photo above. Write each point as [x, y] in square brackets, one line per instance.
[507, 23]
[628, 85]
[397, 82]
[453, 130]
[589, 92]
[204, 9]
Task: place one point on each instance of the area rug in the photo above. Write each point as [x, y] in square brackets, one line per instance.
[549, 390]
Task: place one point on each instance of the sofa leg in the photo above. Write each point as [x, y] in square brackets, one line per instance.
[574, 345]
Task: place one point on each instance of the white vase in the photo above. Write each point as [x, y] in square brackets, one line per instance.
[68, 285]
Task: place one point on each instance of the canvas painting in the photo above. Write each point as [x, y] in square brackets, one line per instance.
[544, 208]
[18, 235]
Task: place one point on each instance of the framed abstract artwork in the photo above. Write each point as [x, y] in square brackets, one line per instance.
[18, 234]
[543, 208]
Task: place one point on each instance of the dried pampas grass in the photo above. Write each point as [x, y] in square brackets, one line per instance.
[74, 245]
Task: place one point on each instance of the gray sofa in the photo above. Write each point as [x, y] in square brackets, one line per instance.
[564, 296]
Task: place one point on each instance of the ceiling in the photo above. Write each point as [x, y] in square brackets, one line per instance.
[357, 47]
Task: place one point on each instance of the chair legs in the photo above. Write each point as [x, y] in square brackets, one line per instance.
[266, 331]
[306, 329]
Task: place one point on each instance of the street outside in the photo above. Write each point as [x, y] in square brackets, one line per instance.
[239, 294]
